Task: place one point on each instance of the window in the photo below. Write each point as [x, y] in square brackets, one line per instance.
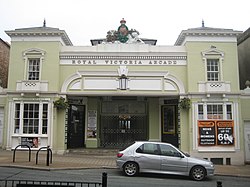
[34, 69]
[200, 112]
[33, 63]
[148, 148]
[30, 118]
[213, 59]
[167, 150]
[169, 119]
[212, 69]
[215, 111]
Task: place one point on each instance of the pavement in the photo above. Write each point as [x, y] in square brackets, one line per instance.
[83, 160]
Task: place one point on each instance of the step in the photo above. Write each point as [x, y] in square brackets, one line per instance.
[94, 151]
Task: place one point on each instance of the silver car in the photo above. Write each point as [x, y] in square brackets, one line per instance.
[164, 158]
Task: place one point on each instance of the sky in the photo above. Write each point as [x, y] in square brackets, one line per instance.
[162, 20]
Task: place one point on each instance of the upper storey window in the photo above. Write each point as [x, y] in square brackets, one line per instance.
[33, 59]
[213, 59]
[34, 69]
[213, 70]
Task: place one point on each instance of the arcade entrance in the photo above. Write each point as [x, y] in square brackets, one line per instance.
[123, 121]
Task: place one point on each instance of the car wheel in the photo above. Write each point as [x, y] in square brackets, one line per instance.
[198, 173]
[130, 169]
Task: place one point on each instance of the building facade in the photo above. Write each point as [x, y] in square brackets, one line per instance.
[124, 89]
[244, 74]
[4, 64]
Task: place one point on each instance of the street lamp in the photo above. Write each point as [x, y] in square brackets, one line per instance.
[123, 82]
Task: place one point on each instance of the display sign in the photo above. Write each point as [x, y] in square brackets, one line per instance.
[92, 123]
[215, 132]
[225, 133]
[32, 142]
[207, 133]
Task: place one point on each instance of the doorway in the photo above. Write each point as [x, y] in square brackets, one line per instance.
[169, 127]
[76, 126]
[123, 120]
[247, 141]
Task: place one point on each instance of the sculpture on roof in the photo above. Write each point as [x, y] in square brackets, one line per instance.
[123, 35]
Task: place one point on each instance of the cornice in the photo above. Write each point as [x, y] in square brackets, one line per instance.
[40, 32]
[206, 32]
[124, 57]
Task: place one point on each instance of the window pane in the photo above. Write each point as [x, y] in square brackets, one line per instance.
[212, 69]
[200, 112]
[31, 118]
[34, 69]
[215, 111]
[229, 111]
[17, 118]
[45, 119]
[167, 150]
[169, 119]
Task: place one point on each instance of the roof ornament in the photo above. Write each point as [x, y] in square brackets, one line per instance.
[202, 24]
[44, 23]
[123, 35]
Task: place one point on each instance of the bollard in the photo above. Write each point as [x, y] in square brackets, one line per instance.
[219, 184]
[104, 179]
[48, 156]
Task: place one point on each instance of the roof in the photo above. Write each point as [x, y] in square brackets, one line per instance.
[101, 40]
[41, 31]
[5, 43]
[244, 36]
[206, 31]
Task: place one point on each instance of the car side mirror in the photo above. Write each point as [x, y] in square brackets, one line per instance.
[180, 155]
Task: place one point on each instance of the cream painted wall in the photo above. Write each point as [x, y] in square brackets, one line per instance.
[50, 65]
[196, 66]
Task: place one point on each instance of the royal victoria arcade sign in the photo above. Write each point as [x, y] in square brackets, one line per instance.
[123, 60]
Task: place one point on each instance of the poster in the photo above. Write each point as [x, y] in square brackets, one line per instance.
[32, 142]
[225, 133]
[92, 124]
[207, 133]
[216, 132]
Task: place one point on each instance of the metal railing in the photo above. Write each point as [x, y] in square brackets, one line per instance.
[14, 154]
[49, 155]
[32, 183]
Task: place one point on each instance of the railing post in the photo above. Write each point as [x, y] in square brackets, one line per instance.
[104, 179]
[219, 184]
[48, 155]
[14, 154]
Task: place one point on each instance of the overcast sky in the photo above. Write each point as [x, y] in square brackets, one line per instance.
[92, 19]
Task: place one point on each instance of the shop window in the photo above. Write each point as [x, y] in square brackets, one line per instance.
[200, 112]
[30, 118]
[215, 111]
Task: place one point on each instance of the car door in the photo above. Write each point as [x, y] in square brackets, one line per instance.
[148, 157]
[172, 161]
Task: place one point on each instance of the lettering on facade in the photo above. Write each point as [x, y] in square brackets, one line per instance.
[122, 62]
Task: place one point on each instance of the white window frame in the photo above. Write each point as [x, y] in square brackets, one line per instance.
[40, 118]
[213, 54]
[224, 111]
[33, 53]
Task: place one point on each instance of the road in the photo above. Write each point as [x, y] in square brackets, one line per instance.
[117, 179]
